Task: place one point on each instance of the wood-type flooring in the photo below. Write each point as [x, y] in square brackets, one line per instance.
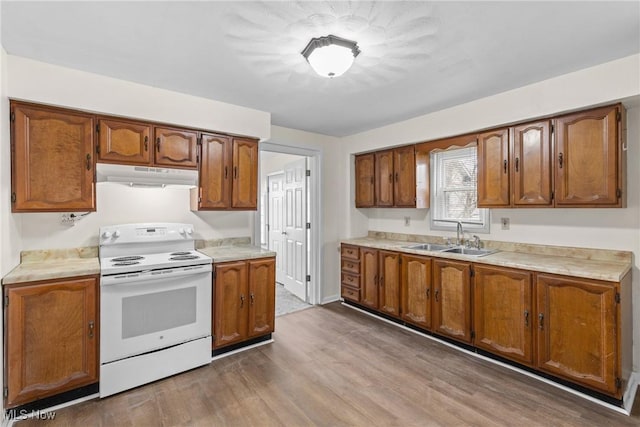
[333, 366]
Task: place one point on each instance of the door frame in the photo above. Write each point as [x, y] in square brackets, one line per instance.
[314, 254]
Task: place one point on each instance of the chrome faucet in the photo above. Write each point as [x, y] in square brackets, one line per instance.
[459, 234]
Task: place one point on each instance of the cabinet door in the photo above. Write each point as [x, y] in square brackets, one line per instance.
[586, 153]
[416, 290]
[404, 166]
[369, 277]
[493, 169]
[124, 142]
[230, 303]
[389, 283]
[503, 317]
[52, 160]
[176, 148]
[244, 192]
[215, 172]
[531, 165]
[365, 182]
[51, 338]
[262, 297]
[577, 331]
[452, 299]
[384, 178]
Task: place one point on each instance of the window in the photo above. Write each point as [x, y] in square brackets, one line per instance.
[454, 197]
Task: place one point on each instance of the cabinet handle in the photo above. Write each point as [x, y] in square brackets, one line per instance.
[252, 297]
[235, 172]
[91, 328]
[428, 292]
[505, 166]
[526, 318]
[517, 163]
[88, 162]
[396, 176]
[372, 180]
[158, 144]
[381, 281]
[241, 300]
[436, 295]
[375, 279]
[560, 160]
[226, 172]
[146, 143]
[390, 177]
[541, 321]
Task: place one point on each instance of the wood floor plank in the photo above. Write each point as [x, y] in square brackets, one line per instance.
[333, 366]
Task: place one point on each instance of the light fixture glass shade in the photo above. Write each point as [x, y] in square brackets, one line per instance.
[330, 56]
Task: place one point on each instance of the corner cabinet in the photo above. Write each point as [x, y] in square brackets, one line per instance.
[228, 174]
[51, 338]
[243, 300]
[52, 161]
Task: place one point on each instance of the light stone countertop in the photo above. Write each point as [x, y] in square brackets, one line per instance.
[54, 264]
[235, 252]
[604, 265]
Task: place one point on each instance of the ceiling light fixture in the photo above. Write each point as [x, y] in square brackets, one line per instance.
[330, 56]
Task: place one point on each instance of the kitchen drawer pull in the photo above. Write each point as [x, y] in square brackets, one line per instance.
[541, 321]
[88, 162]
[436, 294]
[505, 166]
[91, 328]
[146, 143]
[242, 300]
[517, 163]
[526, 318]
[560, 160]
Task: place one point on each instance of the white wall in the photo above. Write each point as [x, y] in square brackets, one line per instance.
[596, 228]
[328, 149]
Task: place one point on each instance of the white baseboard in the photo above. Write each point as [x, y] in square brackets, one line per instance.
[635, 377]
[330, 299]
[241, 349]
[630, 394]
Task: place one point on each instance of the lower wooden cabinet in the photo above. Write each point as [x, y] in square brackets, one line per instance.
[243, 300]
[416, 290]
[503, 317]
[579, 331]
[452, 299]
[51, 338]
[380, 275]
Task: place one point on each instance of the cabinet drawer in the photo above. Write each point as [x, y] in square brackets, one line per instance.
[351, 266]
[350, 252]
[352, 280]
[350, 293]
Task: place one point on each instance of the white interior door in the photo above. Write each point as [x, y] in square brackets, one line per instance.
[276, 222]
[295, 228]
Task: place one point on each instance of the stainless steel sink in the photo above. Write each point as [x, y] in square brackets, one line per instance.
[470, 251]
[429, 247]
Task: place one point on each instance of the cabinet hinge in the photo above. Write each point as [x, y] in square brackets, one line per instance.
[618, 383]
[268, 227]
[5, 392]
[618, 193]
[213, 337]
[553, 128]
[98, 128]
[473, 334]
[618, 297]
[308, 226]
[618, 116]
[308, 277]
[13, 197]
[12, 116]
[553, 194]
[308, 172]
[471, 272]
[6, 300]
[214, 273]
[97, 148]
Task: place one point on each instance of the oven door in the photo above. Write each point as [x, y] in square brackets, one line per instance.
[147, 311]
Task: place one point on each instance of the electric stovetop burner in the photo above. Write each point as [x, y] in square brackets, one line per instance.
[183, 257]
[128, 258]
[121, 263]
[179, 253]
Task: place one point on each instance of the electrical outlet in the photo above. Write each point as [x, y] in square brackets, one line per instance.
[505, 223]
[407, 221]
[67, 219]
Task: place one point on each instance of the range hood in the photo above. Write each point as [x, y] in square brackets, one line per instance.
[146, 176]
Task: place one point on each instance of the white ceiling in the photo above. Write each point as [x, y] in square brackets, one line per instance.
[417, 57]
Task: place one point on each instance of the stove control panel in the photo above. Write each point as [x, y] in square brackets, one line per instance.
[151, 231]
[145, 233]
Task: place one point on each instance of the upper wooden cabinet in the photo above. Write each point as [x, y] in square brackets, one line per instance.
[503, 312]
[175, 147]
[52, 159]
[388, 178]
[365, 180]
[123, 141]
[51, 338]
[228, 174]
[530, 165]
[589, 158]
[493, 169]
